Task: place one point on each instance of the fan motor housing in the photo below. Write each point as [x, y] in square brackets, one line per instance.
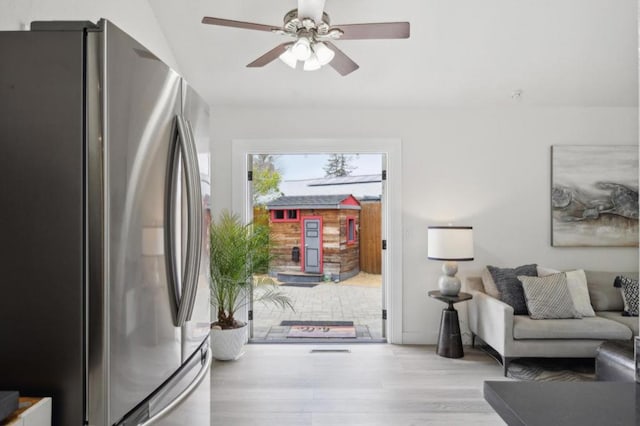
[292, 24]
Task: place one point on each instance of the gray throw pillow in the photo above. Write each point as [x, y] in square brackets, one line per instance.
[629, 289]
[549, 297]
[510, 287]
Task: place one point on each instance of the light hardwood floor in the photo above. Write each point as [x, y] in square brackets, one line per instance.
[374, 384]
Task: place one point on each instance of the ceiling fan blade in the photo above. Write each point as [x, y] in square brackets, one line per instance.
[238, 24]
[270, 56]
[341, 62]
[311, 9]
[380, 30]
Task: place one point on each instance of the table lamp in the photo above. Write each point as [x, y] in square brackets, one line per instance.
[452, 244]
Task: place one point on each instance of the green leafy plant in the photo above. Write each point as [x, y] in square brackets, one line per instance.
[237, 252]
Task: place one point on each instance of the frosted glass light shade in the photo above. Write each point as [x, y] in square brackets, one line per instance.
[312, 63]
[324, 54]
[289, 58]
[301, 49]
[450, 243]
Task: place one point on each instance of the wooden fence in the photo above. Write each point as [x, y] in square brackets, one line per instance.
[371, 238]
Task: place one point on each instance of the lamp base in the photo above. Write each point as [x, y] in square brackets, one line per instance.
[449, 284]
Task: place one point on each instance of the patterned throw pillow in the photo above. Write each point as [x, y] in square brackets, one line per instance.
[629, 289]
[510, 287]
[548, 297]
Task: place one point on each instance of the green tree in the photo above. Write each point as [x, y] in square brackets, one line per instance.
[266, 177]
[338, 165]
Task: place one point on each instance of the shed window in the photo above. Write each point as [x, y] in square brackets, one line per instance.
[285, 215]
[351, 230]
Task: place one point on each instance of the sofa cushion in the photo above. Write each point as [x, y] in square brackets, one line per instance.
[629, 290]
[548, 297]
[510, 287]
[604, 296]
[631, 322]
[585, 328]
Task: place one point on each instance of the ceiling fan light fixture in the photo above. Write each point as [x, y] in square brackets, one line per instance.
[289, 58]
[312, 63]
[324, 54]
[301, 49]
[312, 36]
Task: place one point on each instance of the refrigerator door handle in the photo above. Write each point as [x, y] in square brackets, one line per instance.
[183, 147]
[196, 218]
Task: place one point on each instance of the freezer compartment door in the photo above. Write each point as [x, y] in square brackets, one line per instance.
[184, 399]
[187, 400]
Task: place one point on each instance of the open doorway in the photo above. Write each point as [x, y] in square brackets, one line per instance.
[324, 213]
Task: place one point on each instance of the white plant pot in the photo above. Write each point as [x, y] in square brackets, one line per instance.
[226, 345]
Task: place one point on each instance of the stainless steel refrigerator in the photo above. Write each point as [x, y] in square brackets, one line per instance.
[104, 297]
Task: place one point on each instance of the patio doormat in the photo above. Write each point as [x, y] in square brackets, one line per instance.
[318, 323]
[322, 331]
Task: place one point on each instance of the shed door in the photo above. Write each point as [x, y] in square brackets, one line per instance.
[312, 240]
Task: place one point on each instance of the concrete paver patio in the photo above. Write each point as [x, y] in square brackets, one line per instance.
[358, 299]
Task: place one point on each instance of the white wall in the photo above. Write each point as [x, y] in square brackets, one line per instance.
[489, 168]
[133, 16]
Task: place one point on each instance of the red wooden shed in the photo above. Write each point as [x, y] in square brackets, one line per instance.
[314, 236]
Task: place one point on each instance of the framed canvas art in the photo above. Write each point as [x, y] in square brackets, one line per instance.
[594, 195]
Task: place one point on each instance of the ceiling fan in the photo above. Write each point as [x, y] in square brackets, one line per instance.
[313, 36]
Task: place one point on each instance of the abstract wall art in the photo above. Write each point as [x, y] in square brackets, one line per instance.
[594, 195]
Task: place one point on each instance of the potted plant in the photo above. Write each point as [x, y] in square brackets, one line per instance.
[237, 252]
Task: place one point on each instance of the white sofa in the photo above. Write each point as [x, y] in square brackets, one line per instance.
[519, 336]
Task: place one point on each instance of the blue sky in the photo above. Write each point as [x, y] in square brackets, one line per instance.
[309, 166]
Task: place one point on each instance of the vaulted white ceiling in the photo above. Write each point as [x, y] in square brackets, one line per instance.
[461, 53]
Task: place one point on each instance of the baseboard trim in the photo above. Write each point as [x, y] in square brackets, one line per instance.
[413, 338]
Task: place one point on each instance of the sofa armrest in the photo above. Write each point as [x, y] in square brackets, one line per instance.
[491, 320]
[473, 284]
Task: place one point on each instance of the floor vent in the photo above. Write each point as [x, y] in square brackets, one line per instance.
[329, 350]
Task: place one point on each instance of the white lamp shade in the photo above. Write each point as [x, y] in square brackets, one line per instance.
[301, 49]
[153, 241]
[324, 54]
[450, 243]
[312, 63]
[289, 58]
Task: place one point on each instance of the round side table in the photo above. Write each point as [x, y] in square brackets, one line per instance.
[449, 339]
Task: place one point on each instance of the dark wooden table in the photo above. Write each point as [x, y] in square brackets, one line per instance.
[565, 403]
[449, 339]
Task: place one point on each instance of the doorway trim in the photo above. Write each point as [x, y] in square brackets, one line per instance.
[391, 208]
